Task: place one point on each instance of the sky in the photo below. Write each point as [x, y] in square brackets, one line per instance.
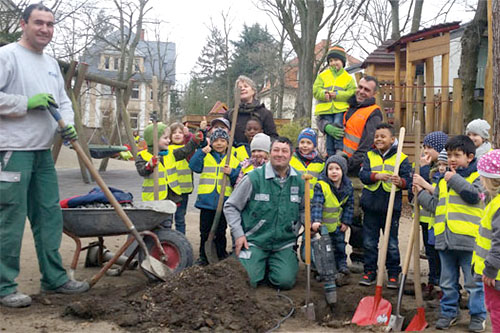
[187, 21]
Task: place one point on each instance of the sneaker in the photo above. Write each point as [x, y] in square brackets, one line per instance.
[15, 300]
[345, 270]
[445, 323]
[477, 324]
[393, 282]
[368, 279]
[71, 287]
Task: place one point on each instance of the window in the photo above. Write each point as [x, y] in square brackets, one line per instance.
[134, 120]
[106, 62]
[116, 64]
[135, 91]
[137, 67]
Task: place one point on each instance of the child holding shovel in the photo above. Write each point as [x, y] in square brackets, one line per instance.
[486, 256]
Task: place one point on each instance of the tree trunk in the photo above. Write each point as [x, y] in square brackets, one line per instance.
[395, 35]
[417, 15]
[496, 74]
[468, 60]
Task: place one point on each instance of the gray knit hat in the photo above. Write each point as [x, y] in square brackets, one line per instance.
[340, 160]
[262, 142]
[479, 127]
[443, 156]
[219, 133]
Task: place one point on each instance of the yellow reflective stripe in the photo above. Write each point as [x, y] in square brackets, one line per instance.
[338, 88]
[330, 220]
[312, 173]
[207, 181]
[331, 209]
[483, 253]
[207, 169]
[377, 168]
[486, 233]
[352, 138]
[467, 218]
[389, 167]
[149, 189]
[184, 172]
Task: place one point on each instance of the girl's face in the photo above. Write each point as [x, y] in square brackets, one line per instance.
[334, 172]
[260, 156]
[164, 141]
[442, 167]
[306, 146]
[253, 127]
[477, 139]
[177, 136]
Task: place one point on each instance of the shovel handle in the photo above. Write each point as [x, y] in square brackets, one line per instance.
[416, 224]
[156, 186]
[307, 217]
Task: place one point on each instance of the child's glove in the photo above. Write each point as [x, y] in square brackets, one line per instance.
[68, 133]
[335, 132]
[152, 163]
[41, 101]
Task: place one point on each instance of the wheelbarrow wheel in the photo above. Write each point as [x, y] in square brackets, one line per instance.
[176, 246]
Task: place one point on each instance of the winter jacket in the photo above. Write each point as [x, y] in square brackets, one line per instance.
[343, 92]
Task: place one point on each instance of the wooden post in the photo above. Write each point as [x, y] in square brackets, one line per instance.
[379, 101]
[445, 82]
[420, 99]
[430, 118]
[397, 87]
[154, 87]
[409, 95]
[457, 123]
[488, 113]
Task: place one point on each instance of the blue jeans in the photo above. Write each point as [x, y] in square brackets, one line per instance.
[432, 257]
[180, 214]
[373, 222]
[338, 242]
[451, 262]
[332, 145]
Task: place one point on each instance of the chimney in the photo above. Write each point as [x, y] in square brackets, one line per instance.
[142, 34]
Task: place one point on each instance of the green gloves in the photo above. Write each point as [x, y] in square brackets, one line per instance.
[335, 132]
[68, 133]
[41, 101]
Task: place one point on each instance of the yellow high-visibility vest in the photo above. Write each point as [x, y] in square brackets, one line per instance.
[331, 83]
[148, 183]
[332, 208]
[181, 168]
[454, 213]
[484, 237]
[241, 153]
[379, 165]
[211, 175]
[247, 169]
[313, 169]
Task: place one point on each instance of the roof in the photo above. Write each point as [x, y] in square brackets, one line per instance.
[427, 32]
[380, 55]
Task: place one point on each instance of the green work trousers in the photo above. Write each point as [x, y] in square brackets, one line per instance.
[34, 195]
[281, 266]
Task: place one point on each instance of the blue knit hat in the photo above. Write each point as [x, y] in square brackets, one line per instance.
[436, 140]
[307, 133]
[219, 133]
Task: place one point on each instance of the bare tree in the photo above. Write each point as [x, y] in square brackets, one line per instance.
[417, 15]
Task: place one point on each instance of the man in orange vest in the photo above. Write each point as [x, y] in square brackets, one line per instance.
[360, 122]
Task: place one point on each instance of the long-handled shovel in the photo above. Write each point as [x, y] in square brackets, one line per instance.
[397, 320]
[309, 306]
[375, 310]
[418, 323]
[150, 264]
[156, 186]
[210, 248]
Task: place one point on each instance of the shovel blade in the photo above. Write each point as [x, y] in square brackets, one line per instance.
[156, 268]
[395, 323]
[308, 309]
[211, 251]
[418, 323]
[372, 311]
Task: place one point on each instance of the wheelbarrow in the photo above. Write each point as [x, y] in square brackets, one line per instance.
[167, 245]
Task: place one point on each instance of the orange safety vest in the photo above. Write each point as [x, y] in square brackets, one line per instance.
[354, 127]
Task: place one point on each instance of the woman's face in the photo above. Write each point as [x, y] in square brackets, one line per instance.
[246, 92]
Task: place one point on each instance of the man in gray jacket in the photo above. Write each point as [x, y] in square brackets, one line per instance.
[29, 81]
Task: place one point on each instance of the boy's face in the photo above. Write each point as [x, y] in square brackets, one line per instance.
[164, 141]
[219, 145]
[178, 136]
[458, 159]
[253, 127]
[306, 146]
[383, 139]
[260, 156]
[429, 151]
[334, 172]
[335, 63]
[476, 138]
[442, 166]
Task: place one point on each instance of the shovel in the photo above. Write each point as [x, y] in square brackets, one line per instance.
[418, 323]
[309, 306]
[156, 187]
[210, 248]
[375, 310]
[149, 264]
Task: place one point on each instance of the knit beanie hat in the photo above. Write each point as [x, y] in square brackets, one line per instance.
[436, 140]
[340, 160]
[219, 133]
[262, 142]
[307, 133]
[489, 164]
[479, 127]
[148, 133]
[443, 156]
[336, 51]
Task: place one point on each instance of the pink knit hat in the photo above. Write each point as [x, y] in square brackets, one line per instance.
[489, 164]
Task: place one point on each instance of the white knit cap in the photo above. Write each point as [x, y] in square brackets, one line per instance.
[262, 142]
[479, 127]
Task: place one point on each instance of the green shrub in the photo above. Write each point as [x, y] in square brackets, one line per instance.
[293, 128]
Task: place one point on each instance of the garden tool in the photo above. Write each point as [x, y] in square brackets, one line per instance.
[309, 306]
[156, 188]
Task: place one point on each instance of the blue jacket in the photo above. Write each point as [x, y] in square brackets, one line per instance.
[379, 200]
[209, 201]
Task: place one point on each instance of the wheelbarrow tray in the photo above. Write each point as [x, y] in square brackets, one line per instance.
[102, 222]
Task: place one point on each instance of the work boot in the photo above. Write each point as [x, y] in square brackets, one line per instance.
[15, 300]
[330, 293]
[477, 324]
[71, 287]
[445, 323]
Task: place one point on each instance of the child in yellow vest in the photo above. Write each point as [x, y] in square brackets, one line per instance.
[175, 178]
[458, 210]
[260, 147]
[332, 89]
[252, 127]
[486, 256]
[478, 131]
[210, 163]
